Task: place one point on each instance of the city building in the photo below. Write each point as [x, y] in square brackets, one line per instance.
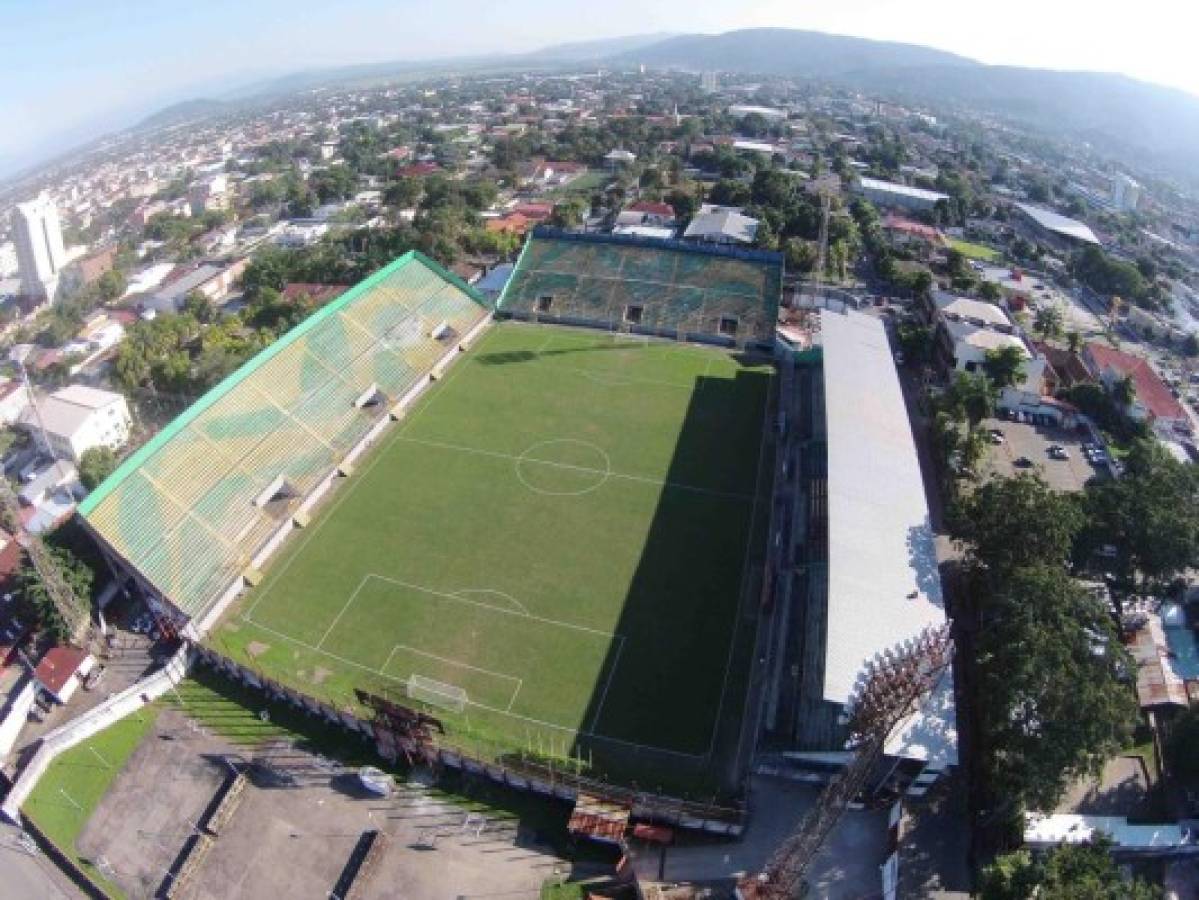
[40, 252]
[1126, 193]
[890, 194]
[741, 110]
[77, 418]
[709, 82]
[1054, 228]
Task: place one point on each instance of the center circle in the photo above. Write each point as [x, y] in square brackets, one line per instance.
[563, 467]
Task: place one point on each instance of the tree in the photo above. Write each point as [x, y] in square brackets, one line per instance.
[1124, 391]
[1190, 345]
[989, 290]
[568, 213]
[1048, 322]
[1182, 746]
[970, 398]
[1069, 872]
[916, 341]
[96, 464]
[729, 193]
[35, 600]
[1004, 367]
[111, 285]
[1049, 689]
[922, 283]
[197, 305]
[1150, 515]
[1073, 341]
[992, 524]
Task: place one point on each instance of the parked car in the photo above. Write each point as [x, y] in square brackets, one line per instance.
[1058, 452]
[1022, 462]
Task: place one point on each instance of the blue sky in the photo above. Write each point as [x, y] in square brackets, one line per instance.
[74, 69]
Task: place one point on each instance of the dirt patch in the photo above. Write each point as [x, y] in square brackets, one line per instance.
[320, 674]
[147, 814]
[255, 649]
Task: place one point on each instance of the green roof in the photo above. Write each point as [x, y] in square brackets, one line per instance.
[185, 508]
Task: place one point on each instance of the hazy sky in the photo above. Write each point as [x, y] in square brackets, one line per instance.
[74, 68]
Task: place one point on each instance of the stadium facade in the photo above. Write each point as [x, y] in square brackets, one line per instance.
[724, 296]
[195, 512]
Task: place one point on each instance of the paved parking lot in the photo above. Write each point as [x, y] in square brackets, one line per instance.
[1032, 442]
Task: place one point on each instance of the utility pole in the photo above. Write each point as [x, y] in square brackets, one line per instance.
[74, 612]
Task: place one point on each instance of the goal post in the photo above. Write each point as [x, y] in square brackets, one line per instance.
[437, 693]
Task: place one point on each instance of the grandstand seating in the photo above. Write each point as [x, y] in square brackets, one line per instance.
[182, 509]
[681, 290]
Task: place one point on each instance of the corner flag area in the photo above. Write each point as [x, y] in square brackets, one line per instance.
[549, 553]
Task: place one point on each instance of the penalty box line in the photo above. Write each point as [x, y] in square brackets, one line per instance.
[530, 719]
[519, 682]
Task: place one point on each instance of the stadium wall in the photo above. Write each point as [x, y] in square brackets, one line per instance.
[563, 785]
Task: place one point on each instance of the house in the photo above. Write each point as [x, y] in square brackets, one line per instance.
[468, 272]
[1065, 369]
[77, 418]
[13, 400]
[923, 239]
[513, 223]
[418, 170]
[647, 219]
[618, 157]
[543, 173]
[721, 225]
[62, 670]
[534, 212]
[320, 294]
[211, 280]
[1154, 402]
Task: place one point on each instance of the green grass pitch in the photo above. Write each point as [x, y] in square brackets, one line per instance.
[560, 528]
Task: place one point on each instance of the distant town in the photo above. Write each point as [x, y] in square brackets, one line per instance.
[977, 349]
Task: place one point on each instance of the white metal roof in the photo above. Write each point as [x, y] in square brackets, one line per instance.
[1042, 830]
[891, 187]
[971, 309]
[884, 585]
[1058, 223]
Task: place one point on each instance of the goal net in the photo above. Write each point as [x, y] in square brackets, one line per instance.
[437, 693]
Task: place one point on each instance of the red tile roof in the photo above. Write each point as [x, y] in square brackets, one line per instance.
[416, 170]
[58, 666]
[1152, 392]
[907, 226]
[513, 222]
[318, 293]
[534, 211]
[653, 209]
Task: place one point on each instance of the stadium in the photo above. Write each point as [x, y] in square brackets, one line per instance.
[539, 527]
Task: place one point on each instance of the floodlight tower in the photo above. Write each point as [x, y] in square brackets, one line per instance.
[894, 686]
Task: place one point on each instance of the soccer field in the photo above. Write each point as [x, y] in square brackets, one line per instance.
[560, 531]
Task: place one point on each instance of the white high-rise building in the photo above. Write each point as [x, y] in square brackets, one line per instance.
[40, 253]
[709, 82]
[1126, 193]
